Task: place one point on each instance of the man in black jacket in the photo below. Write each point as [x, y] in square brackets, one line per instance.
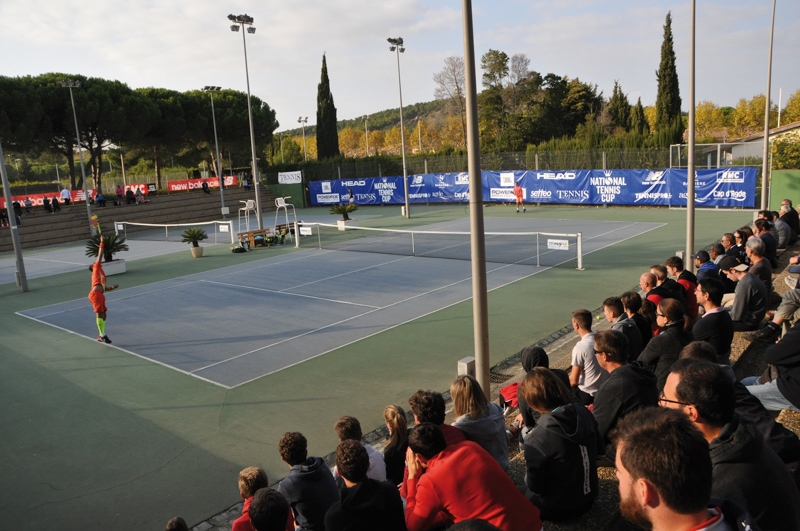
[715, 325]
[784, 391]
[630, 386]
[745, 470]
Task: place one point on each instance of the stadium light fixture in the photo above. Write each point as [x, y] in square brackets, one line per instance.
[71, 84]
[396, 45]
[240, 22]
[303, 121]
[211, 91]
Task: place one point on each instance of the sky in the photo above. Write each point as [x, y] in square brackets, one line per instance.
[187, 44]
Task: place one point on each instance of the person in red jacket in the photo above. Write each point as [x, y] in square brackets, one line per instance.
[685, 278]
[462, 480]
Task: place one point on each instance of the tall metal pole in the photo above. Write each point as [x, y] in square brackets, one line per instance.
[366, 135]
[397, 47]
[688, 262]
[419, 132]
[22, 279]
[211, 91]
[480, 312]
[765, 162]
[303, 121]
[70, 84]
[280, 136]
[243, 20]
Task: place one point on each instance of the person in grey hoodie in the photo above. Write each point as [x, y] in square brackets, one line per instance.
[309, 488]
[561, 451]
[481, 421]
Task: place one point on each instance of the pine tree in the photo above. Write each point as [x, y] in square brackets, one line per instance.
[619, 108]
[669, 125]
[327, 134]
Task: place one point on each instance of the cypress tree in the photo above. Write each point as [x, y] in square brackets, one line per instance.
[638, 121]
[619, 108]
[327, 134]
[669, 125]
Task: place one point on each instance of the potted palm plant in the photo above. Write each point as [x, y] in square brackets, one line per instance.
[194, 235]
[344, 209]
[112, 244]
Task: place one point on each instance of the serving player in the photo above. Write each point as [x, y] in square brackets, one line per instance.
[97, 294]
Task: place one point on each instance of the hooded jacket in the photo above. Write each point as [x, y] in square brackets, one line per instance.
[749, 473]
[629, 329]
[366, 506]
[561, 461]
[489, 431]
[664, 349]
[786, 356]
[310, 490]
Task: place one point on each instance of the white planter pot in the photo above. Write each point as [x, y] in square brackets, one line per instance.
[342, 224]
[115, 267]
[197, 252]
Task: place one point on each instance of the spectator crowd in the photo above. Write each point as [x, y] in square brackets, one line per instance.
[653, 396]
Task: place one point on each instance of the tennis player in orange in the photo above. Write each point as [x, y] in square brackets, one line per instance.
[518, 194]
[97, 294]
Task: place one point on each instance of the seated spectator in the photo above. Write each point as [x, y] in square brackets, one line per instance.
[394, 453]
[731, 242]
[778, 223]
[120, 195]
[481, 421]
[309, 488]
[177, 524]
[788, 310]
[782, 392]
[750, 298]
[130, 197]
[759, 266]
[204, 186]
[780, 230]
[55, 205]
[667, 287]
[674, 333]
[586, 375]
[251, 479]
[632, 303]
[648, 283]
[348, 428]
[462, 481]
[790, 216]
[630, 386]
[28, 205]
[782, 441]
[561, 451]
[46, 204]
[100, 199]
[140, 197]
[269, 512]
[66, 196]
[615, 314]
[705, 267]
[665, 476]
[745, 470]
[530, 357]
[715, 325]
[365, 503]
[17, 208]
[762, 229]
[4, 218]
[686, 280]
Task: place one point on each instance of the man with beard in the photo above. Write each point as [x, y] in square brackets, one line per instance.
[664, 472]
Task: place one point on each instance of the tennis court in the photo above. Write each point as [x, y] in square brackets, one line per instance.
[234, 325]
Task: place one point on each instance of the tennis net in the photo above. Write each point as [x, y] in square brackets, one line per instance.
[218, 231]
[525, 248]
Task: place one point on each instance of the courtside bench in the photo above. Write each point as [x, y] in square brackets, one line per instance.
[252, 238]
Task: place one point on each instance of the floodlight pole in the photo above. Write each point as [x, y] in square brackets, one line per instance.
[280, 137]
[687, 260]
[398, 48]
[366, 135]
[480, 312]
[22, 279]
[70, 84]
[765, 162]
[303, 121]
[240, 22]
[211, 91]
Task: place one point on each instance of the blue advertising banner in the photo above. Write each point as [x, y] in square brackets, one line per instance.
[721, 187]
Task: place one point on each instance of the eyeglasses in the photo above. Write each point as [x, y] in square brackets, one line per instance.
[662, 398]
[660, 315]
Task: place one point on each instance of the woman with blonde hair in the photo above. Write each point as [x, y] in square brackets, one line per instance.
[480, 420]
[394, 455]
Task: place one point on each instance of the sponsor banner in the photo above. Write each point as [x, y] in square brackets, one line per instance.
[723, 187]
[290, 177]
[559, 245]
[190, 184]
[38, 199]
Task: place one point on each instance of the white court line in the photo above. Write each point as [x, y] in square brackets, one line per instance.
[281, 292]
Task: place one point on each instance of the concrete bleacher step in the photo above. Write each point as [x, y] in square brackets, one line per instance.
[71, 224]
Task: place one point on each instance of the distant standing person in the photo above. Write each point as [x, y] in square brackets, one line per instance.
[56, 205]
[518, 194]
[351, 198]
[66, 196]
[120, 196]
[97, 294]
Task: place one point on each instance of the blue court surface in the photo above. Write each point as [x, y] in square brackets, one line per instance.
[236, 324]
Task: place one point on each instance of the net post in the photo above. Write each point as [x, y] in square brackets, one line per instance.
[296, 235]
[230, 229]
[413, 249]
[580, 252]
[537, 249]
